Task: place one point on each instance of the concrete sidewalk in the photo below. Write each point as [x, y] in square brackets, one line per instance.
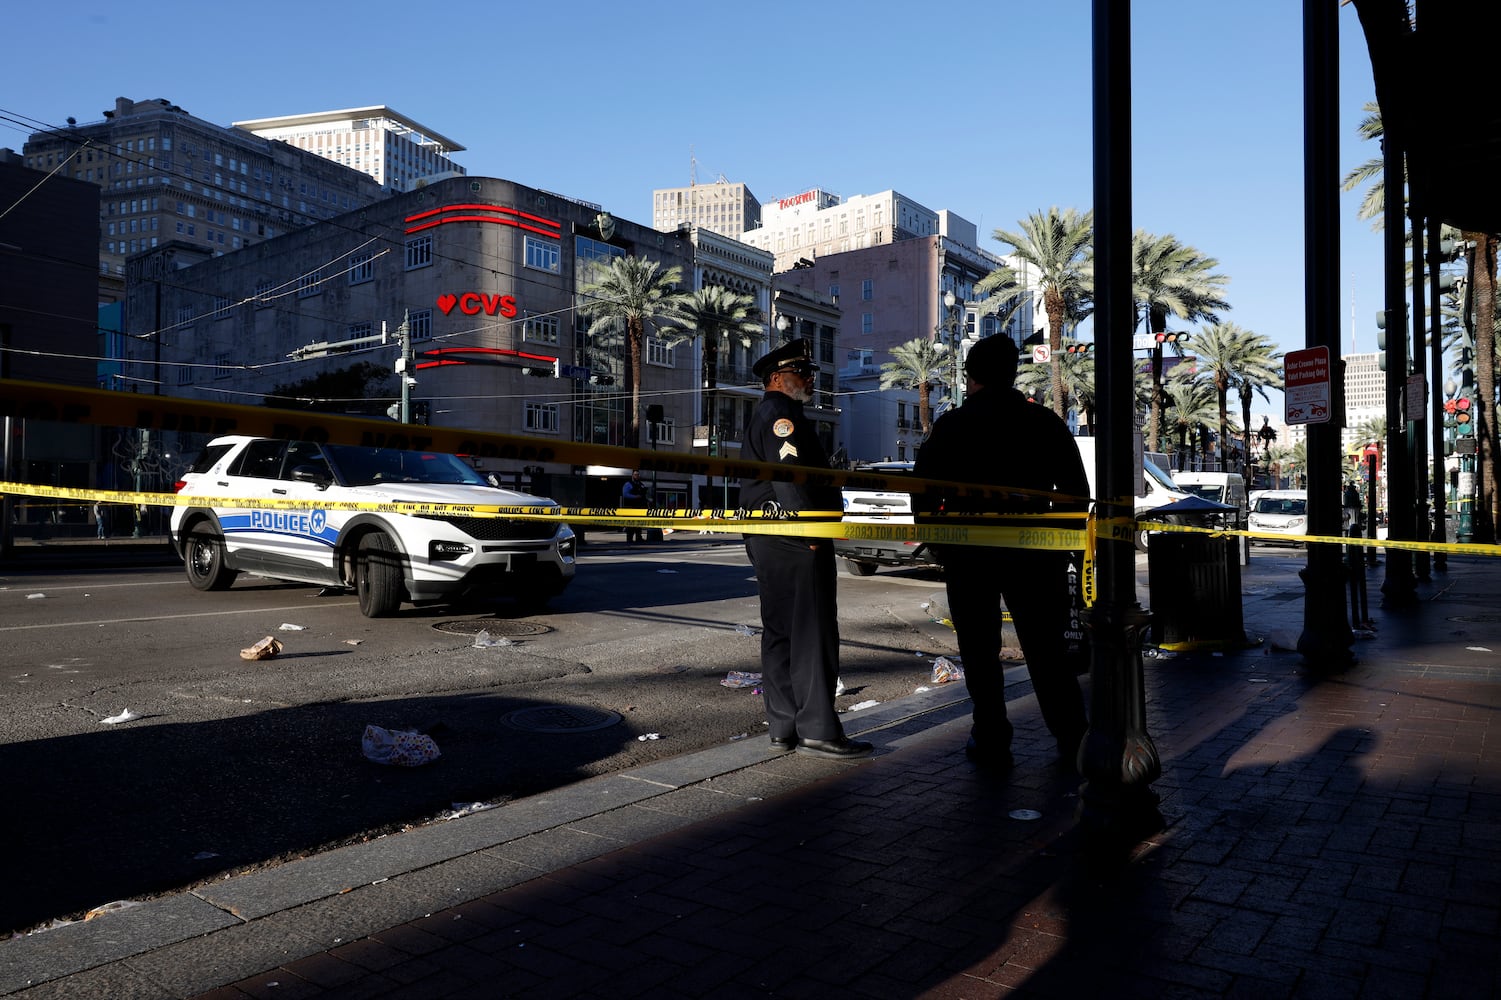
[1325, 837]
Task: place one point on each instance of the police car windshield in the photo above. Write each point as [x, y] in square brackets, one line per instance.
[367, 466]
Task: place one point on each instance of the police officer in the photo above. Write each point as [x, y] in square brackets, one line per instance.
[998, 438]
[799, 615]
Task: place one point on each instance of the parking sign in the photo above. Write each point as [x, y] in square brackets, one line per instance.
[1307, 391]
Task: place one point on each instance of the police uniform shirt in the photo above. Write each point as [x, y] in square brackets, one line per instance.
[779, 433]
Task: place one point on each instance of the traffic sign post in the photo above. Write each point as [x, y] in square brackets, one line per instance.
[1307, 392]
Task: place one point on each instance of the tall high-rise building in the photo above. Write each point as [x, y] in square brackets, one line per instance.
[166, 176]
[722, 207]
[396, 150]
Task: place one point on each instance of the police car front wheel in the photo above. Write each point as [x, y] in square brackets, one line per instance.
[377, 574]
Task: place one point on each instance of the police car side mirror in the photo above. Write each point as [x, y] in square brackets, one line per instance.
[311, 474]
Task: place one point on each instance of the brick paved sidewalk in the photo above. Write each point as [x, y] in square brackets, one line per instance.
[1326, 837]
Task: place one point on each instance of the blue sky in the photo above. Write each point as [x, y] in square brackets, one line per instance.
[978, 106]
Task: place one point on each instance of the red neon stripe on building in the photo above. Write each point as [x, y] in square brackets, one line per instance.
[483, 208]
[481, 218]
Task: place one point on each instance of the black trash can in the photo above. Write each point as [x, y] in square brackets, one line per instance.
[1194, 589]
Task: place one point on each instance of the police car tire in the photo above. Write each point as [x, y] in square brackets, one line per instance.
[203, 557]
[858, 568]
[377, 576]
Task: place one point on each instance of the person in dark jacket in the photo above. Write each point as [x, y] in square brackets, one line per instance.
[635, 496]
[997, 438]
[796, 575]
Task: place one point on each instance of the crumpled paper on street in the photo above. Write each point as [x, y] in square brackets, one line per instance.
[398, 748]
[263, 650]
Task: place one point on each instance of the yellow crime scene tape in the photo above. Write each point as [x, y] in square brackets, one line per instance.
[70, 404]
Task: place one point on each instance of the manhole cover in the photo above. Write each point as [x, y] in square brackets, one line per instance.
[495, 626]
[559, 719]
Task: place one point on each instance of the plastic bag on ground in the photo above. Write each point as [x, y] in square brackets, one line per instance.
[740, 679]
[486, 641]
[126, 715]
[399, 748]
[946, 670]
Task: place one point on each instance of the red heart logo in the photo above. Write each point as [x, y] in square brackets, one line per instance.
[446, 302]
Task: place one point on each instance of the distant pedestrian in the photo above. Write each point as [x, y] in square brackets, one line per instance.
[100, 519]
[795, 574]
[997, 438]
[635, 496]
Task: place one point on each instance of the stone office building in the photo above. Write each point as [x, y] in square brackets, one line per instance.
[483, 269]
[166, 175]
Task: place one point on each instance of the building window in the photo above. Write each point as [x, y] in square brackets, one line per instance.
[310, 284]
[420, 325]
[221, 305]
[658, 353]
[867, 323]
[221, 365]
[419, 252]
[541, 254]
[361, 268]
[540, 329]
[867, 290]
[184, 315]
[541, 417]
[664, 432]
[357, 330]
[834, 293]
[263, 291]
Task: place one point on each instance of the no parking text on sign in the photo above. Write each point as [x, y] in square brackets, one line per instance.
[1307, 389]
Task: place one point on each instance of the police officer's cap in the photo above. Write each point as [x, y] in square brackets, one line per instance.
[795, 355]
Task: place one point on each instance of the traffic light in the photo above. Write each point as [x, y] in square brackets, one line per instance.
[1462, 415]
[1171, 337]
[1079, 348]
[420, 411]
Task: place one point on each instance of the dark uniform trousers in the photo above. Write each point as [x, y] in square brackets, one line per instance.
[1034, 584]
[799, 635]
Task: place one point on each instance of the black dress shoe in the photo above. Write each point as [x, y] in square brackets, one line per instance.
[843, 747]
[781, 744]
[992, 759]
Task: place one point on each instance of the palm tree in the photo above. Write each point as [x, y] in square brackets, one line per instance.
[1171, 278]
[919, 364]
[1263, 369]
[1227, 354]
[713, 314]
[1373, 205]
[629, 295]
[1191, 404]
[1001, 294]
[1058, 243]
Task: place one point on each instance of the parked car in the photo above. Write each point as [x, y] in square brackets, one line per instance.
[1280, 513]
[386, 558]
[862, 556]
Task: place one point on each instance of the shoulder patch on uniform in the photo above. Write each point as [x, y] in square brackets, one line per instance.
[782, 428]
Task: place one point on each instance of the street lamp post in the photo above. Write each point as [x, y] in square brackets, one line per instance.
[956, 341]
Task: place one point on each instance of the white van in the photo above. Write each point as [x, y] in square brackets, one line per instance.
[1228, 488]
[1154, 489]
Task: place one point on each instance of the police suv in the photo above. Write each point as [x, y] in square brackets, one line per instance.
[387, 558]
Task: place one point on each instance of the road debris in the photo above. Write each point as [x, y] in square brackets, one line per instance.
[398, 748]
[740, 679]
[126, 715]
[262, 650]
[484, 640]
